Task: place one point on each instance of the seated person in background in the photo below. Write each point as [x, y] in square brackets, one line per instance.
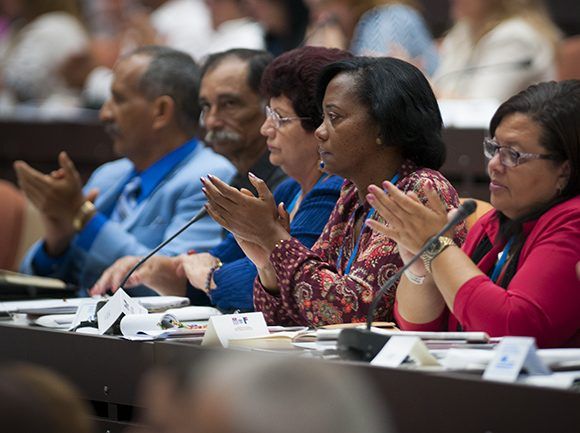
[381, 121]
[140, 200]
[284, 22]
[42, 36]
[183, 25]
[515, 274]
[288, 395]
[232, 28]
[35, 400]
[496, 49]
[393, 28]
[309, 196]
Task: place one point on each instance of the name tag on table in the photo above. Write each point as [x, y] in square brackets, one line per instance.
[512, 355]
[221, 329]
[119, 305]
[397, 349]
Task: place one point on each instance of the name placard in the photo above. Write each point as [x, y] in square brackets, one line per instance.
[397, 349]
[221, 329]
[117, 306]
[512, 355]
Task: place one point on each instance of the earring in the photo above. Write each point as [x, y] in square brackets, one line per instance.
[379, 141]
[321, 165]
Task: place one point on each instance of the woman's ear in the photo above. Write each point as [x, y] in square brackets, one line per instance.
[564, 176]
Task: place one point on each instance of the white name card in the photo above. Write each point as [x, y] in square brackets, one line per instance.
[397, 349]
[118, 305]
[512, 355]
[221, 329]
[85, 312]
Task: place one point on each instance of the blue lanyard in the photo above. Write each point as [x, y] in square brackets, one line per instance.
[295, 199]
[501, 262]
[354, 253]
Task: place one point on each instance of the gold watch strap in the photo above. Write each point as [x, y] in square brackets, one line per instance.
[429, 255]
[84, 214]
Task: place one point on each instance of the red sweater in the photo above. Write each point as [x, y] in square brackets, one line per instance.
[543, 298]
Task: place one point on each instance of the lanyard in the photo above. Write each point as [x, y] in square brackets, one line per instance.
[354, 253]
[501, 262]
[297, 196]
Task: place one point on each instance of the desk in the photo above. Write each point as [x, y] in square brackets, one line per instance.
[107, 370]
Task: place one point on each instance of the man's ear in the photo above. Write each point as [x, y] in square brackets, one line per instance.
[164, 111]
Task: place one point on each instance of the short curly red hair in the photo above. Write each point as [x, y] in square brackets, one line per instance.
[294, 74]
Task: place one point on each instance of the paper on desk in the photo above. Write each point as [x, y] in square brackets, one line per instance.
[150, 324]
[465, 336]
[41, 307]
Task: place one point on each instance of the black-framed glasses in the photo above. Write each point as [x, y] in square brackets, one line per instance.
[510, 157]
[279, 121]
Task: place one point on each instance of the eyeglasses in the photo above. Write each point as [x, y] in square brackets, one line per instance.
[279, 121]
[508, 156]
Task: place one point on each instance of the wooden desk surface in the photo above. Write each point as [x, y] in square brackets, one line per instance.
[108, 369]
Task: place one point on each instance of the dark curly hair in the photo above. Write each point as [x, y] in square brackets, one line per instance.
[399, 98]
[294, 74]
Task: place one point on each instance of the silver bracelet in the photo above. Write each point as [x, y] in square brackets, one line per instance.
[414, 278]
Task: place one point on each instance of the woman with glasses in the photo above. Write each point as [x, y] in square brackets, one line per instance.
[516, 272]
[305, 200]
[381, 121]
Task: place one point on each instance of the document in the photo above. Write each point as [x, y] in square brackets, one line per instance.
[179, 322]
[41, 307]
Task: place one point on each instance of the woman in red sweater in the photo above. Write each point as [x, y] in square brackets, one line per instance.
[516, 272]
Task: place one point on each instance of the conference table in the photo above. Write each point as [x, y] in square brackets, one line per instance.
[108, 371]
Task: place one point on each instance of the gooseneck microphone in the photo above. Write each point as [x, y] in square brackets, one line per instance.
[201, 214]
[510, 65]
[363, 344]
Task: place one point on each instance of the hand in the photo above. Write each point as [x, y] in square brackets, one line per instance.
[256, 253]
[58, 196]
[410, 223]
[249, 218]
[114, 274]
[160, 273]
[197, 267]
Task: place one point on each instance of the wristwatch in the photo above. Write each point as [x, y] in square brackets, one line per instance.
[434, 250]
[83, 216]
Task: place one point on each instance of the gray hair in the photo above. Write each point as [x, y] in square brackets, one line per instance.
[175, 74]
[272, 394]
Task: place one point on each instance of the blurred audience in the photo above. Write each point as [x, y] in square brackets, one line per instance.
[496, 49]
[232, 27]
[374, 28]
[244, 393]
[35, 400]
[43, 34]
[141, 199]
[284, 22]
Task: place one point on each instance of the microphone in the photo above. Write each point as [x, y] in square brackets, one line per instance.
[363, 344]
[201, 214]
[515, 65]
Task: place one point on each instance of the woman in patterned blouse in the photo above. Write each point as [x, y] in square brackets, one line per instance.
[380, 121]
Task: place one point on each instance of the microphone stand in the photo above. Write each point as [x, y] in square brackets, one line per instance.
[201, 214]
[363, 344]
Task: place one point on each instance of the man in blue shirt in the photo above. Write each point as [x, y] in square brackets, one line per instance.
[139, 200]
